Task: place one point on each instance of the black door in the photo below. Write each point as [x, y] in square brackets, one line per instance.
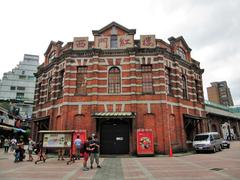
[114, 137]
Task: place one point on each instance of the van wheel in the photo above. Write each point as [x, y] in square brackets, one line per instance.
[214, 149]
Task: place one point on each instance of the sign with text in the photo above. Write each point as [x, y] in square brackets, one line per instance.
[57, 140]
[125, 41]
[80, 43]
[102, 42]
[147, 41]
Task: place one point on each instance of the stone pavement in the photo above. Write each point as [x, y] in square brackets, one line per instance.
[223, 165]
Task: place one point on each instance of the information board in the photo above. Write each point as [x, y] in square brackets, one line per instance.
[57, 140]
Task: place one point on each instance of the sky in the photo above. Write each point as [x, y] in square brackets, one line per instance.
[210, 27]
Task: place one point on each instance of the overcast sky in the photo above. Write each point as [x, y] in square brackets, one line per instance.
[210, 27]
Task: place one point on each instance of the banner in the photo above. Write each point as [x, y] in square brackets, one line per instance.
[57, 140]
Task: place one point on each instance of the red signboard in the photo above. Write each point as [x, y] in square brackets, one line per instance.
[145, 143]
[82, 135]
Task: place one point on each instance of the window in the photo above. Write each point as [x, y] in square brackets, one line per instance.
[23, 72]
[181, 53]
[184, 87]
[114, 41]
[114, 80]
[21, 88]
[168, 81]
[61, 83]
[31, 77]
[51, 56]
[19, 95]
[22, 77]
[147, 81]
[49, 89]
[39, 93]
[81, 80]
[13, 88]
[197, 89]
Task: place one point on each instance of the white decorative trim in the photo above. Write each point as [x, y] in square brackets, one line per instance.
[123, 102]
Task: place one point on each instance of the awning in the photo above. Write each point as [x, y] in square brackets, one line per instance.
[114, 115]
[6, 127]
[192, 117]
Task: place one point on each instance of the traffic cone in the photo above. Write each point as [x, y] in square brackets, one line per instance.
[170, 152]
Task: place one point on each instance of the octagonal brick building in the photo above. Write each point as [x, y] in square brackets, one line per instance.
[117, 84]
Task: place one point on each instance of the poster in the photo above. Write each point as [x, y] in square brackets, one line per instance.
[57, 140]
[145, 144]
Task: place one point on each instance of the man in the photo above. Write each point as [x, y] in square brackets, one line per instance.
[94, 144]
[86, 151]
[78, 143]
[31, 144]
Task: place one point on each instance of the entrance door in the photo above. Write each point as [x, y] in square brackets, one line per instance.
[114, 137]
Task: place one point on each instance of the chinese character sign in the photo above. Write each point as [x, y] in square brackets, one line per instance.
[125, 42]
[102, 42]
[80, 43]
[148, 41]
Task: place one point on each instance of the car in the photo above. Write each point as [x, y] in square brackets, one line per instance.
[225, 144]
[209, 141]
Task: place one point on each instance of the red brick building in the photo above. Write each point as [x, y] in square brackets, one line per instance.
[116, 84]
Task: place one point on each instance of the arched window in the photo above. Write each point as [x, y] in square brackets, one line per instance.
[147, 82]
[49, 89]
[114, 80]
[51, 56]
[181, 53]
[184, 87]
[168, 81]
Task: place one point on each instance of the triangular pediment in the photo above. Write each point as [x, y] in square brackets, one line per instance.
[110, 26]
[51, 45]
[180, 39]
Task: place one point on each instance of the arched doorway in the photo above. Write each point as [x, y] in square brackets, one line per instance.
[214, 128]
[114, 136]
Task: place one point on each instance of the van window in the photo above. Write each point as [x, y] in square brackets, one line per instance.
[216, 136]
[201, 138]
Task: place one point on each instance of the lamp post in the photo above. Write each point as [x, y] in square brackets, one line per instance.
[169, 139]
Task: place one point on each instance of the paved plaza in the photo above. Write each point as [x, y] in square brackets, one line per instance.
[223, 165]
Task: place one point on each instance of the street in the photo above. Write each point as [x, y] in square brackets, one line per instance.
[224, 165]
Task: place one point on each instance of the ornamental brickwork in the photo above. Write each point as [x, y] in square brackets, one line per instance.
[158, 83]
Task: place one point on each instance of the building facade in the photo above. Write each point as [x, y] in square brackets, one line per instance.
[18, 86]
[117, 84]
[220, 93]
[223, 119]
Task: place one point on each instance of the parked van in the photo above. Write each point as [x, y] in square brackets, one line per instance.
[210, 141]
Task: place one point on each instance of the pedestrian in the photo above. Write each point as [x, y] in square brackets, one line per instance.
[13, 144]
[78, 143]
[31, 145]
[95, 145]
[86, 151]
[6, 144]
[20, 151]
[61, 153]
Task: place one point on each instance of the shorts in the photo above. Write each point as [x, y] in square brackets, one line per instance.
[85, 156]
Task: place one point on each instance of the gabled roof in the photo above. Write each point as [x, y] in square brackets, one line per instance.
[129, 31]
[50, 46]
[180, 38]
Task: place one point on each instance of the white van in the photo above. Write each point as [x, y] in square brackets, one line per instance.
[210, 141]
